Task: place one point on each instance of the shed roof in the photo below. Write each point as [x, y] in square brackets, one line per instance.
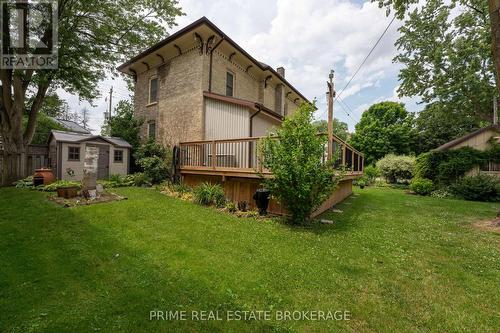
[75, 137]
[459, 140]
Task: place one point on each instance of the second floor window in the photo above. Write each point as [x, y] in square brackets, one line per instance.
[153, 90]
[152, 130]
[229, 84]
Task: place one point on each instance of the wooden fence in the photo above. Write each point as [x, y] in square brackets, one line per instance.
[37, 156]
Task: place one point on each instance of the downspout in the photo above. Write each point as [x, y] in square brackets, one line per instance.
[210, 69]
[251, 120]
[250, 157]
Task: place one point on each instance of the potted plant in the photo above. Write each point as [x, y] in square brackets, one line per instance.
[69, 190]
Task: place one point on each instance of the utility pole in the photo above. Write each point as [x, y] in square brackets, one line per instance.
[110, 101]
[495, 111]
[331, 95]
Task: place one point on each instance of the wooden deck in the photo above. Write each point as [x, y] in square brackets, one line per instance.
[235, 164]
[240, 158]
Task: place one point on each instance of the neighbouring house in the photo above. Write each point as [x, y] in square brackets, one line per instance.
[71, 126]
[201, 92]
[67, 154]
[482, 139]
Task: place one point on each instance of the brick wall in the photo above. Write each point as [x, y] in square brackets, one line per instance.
[246, 86]
[179, 111]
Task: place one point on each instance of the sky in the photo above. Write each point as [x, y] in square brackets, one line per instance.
[308, 38]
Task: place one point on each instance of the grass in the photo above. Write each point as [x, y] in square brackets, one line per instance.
[397, 262]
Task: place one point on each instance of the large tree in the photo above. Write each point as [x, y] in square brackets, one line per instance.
[124, 124]
[384, 128]
[93, 37]
[447, 43]
[438, 124]
[340, 128]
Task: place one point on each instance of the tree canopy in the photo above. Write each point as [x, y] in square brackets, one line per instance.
[384, 128]
[450, 40]
[340, 128]
[437, 124]
[124, 124]
[447, 57]
[93, 37]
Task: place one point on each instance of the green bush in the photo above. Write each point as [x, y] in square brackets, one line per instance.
[155, 161]
[480, 187]
[209, 194]
[361, 181]
[445, 167]
[442, 193]
[141, 179]
[422, 186]
[24, 183]
[301, 181]
[371, 173]
[58, 184]
[231, 207]
[396, 168]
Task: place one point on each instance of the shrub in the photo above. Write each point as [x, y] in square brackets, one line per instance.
[141, 179]
[24, 183]
[422, 186]
[58, 184]
[231, 207]
[155, 161]
[480, 187]
[442, 193]
[445, 167]
[301, 181]
[371, 173]
[396, 168]
[361, 181]
[209, 194]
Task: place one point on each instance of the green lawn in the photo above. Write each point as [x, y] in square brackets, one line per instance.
[397, 262]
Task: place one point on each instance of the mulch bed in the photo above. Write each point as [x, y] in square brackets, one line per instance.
[81, 201]
[489, 225]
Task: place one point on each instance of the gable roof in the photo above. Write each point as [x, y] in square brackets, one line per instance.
[71, 125]
[125, 68]
[466, 137]
[74, 137]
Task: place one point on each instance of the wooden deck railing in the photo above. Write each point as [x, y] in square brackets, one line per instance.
[241, 156]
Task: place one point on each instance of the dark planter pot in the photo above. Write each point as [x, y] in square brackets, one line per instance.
[67, 192]
[361, 186]
[261, 198]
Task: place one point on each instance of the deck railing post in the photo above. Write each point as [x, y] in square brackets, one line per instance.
[343, 155]
[214, 154]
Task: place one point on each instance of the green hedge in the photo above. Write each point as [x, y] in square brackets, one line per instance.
[446, 167]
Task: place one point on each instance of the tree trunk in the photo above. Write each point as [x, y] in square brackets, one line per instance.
[494, 9]
[13, 162]
[14, 143]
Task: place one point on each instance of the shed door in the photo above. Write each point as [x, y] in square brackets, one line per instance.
[102, 161]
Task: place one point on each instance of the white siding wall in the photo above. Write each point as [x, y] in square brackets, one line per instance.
[262, 124]
[226, 121]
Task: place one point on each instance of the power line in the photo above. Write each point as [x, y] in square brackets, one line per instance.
[366, 58]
